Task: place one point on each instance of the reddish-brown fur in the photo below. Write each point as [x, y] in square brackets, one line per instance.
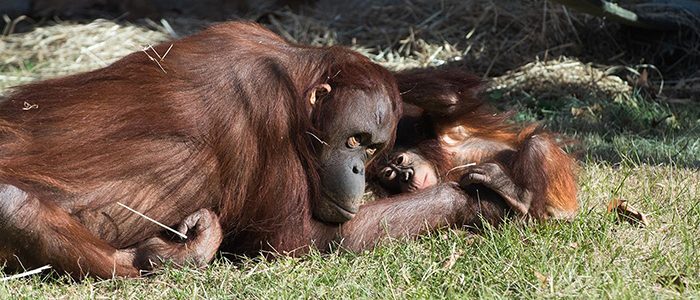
[221, 124]
[456, 127]
[214, 128]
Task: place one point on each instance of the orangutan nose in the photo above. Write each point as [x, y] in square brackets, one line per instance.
[358, 169]
[406, 175]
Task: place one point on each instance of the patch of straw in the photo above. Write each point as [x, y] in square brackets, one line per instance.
[69, 48]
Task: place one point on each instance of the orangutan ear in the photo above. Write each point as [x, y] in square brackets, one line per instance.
[318, 92]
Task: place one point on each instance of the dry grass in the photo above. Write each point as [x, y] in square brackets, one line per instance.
[489, 37]
[492, 38]
[559, 78]
[68, 48]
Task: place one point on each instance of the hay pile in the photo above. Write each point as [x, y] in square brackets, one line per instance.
[68, 48]
[494, 38]
[560, 78]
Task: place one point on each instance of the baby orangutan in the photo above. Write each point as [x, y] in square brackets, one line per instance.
[464, 141]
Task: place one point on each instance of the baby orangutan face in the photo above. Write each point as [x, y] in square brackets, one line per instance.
[407, 171]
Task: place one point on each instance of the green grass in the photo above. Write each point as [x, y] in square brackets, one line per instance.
[629, 129]
[644, 151]
[592, 257]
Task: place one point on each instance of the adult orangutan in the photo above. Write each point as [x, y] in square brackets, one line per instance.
[232, 135]
[448, 132]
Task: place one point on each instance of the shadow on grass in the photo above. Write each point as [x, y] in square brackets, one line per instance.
[629, 129]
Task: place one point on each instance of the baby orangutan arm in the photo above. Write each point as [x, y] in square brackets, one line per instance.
[492, 176]
[408, 215]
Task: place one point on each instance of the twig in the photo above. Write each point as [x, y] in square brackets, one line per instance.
[653, 67]
[168, 29]
[154, 221]
[318, 138]
[166, 52]
[11, 24]
[29, 106]
[153, 59]
[25, 274]
[94, 56]
[459, 168]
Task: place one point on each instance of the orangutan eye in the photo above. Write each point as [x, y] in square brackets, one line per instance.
[399, 160]
[353, 141]
[389, 174]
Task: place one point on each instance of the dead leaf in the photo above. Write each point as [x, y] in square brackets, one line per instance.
[452, 259]
[544, 279]
[627, 213]
[643, 79]
[590, 111]
[577, 112]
